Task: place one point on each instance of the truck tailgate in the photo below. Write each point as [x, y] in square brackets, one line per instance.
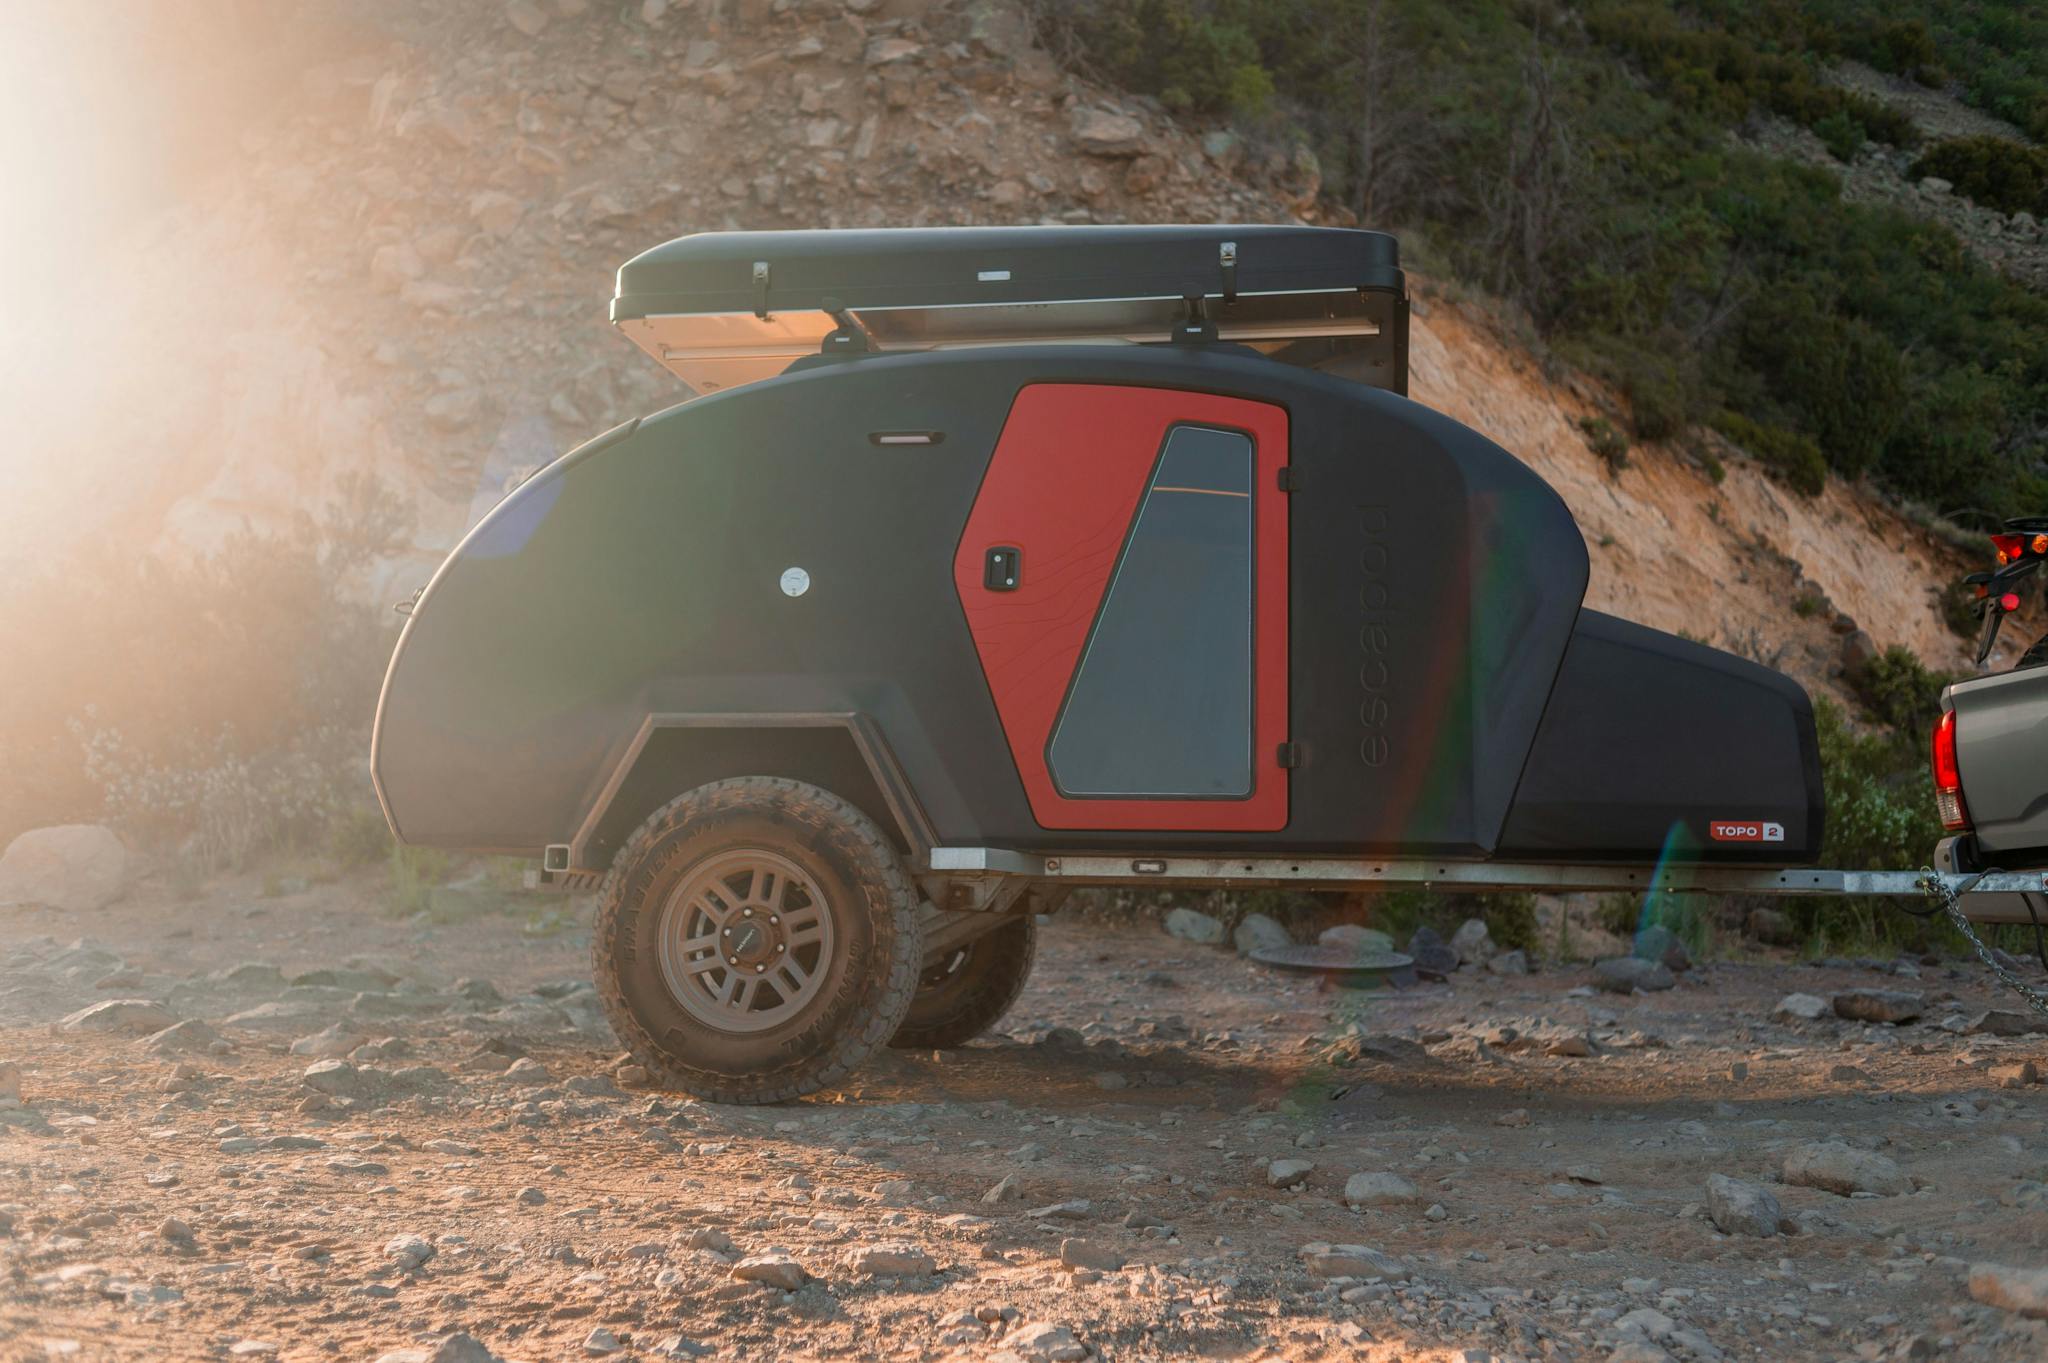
[2002, 755]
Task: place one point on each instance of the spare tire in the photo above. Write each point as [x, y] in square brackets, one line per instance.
[963, 995]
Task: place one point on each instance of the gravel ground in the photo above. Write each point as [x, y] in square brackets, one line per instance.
[376, 1138]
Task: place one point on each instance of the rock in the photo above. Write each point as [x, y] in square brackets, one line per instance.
[338, 1079]
[73, 868]
[496, 212]
[526, 1071]
[1191, 925]
[1007, 1190]
[175, 1231]
[1073, 1210]
[1739, 1208]
[530, 1197]
[708, 1237]
[1858, 651]
[1659, 943]
[1801, 1007]
[1509, 963]
[600, 1341]
[1627, 974]
[1935, 185]
[408, 1251]
[776, 1270]
[1257, 932]
[1514, 1116]
[2022, 1290]
[330, 1043]
[2014, 1076]
[1837, 1168]
[891, 51]
[1360, 941]
[1473, 943]
[1040, 1341]
[2002, 1022]
[1770, 927]
[1076, 1252]
[1378, 1048]
[1880, 1005]
[1434, 958]
[139, 1016]
[1285, 1173]
[898, 1260]
[1379, 1190]
[1102, 133]
[1351, 1261]
[1571, 1045]
[526, 16]
[191, 1037]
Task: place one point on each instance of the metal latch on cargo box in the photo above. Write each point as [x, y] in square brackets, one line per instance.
[1226, 257]
[761, 289]
[1001, 568]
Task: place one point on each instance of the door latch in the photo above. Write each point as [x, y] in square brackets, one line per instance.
[1000, 568]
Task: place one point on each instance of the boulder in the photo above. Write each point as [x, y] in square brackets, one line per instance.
[1191, 925]
[1880, 1005]
[1434, 958]
[1285, 1173]
[2022, 1290]
[891, 1261]
[1102, 133]
[1351, 1261]
[2004, 1022]
[1255, 932]
[138, 1016]
[1840, 1169]
[1078, 1253]
[1626, 974]
[1801, 1008]
[1379, 1190]
[1472, 942]
[776, 1270]
[1739, 1208]
[73, 868]
[1770, 927]
[1359, 940]
[1659, 943]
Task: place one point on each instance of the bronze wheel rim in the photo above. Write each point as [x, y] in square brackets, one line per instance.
[745, 940]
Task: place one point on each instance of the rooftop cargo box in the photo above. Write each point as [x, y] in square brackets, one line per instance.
[721, 309]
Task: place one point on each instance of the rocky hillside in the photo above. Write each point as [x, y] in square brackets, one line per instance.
[405, 269]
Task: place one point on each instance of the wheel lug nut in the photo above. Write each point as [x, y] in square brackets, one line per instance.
[728, 932]
[780, 947]
[746, 913]
[760, 969]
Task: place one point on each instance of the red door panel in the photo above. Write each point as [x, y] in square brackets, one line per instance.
[1073, 466]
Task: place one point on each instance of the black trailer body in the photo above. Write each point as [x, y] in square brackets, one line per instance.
[1056, 540]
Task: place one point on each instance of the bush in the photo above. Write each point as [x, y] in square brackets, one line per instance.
[1841, 134]
[1790, 456]
[218, 703]
[1610, 444]
[1995, 171]
[1899, 692]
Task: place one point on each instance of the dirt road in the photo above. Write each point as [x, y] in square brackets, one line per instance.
[374, 1136]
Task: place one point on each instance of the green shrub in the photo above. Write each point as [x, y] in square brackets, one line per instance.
[1994, 171]
[1841, 134]
[1610, 444]
[1898, 691]
[1959, 609]
[1790, 456]
[416, 872]
[358, 836]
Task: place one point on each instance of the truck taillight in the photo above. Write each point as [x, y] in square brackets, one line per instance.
[1948, 777]
[2010, 548]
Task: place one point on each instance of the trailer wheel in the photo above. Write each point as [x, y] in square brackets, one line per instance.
[756, 939]
[963, 995]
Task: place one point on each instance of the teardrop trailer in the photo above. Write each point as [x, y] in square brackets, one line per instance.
[992, 562]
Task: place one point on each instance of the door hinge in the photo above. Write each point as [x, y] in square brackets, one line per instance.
[1288, 755]
[1287, 479]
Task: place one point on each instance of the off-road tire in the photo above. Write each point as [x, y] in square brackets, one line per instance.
[877, 944]
[952, 1008]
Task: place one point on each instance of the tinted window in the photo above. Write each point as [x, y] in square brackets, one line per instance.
[1161, 704]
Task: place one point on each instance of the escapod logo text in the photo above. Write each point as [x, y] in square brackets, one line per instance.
[1745, 830]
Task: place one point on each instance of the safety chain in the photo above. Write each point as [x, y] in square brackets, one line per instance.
[1937, 887]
